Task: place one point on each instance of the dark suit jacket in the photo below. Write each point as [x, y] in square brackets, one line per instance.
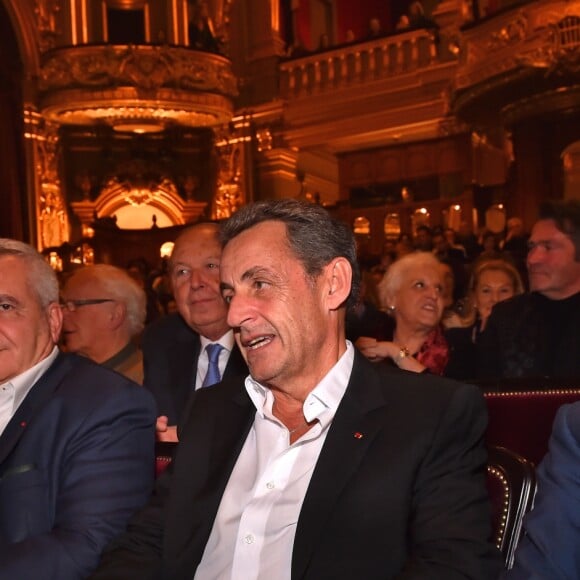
[549, 550]
[531, 336]
[405, 500]
[76, 461]
[170, 353]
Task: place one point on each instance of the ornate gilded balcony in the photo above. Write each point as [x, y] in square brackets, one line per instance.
[367, 94]
[357, 63]
[138, 88]
[520, 62]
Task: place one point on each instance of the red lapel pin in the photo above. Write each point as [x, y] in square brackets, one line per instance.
[23, 424]
[358, 435]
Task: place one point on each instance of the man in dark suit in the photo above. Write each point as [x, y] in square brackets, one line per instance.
[538, 334]
[322, 466]
[77, 440]
[176, 361]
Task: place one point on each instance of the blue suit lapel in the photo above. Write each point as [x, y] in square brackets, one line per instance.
[352, 431]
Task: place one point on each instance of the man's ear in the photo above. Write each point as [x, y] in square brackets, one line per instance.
[338, 282]
[55, 317]
[118, 314]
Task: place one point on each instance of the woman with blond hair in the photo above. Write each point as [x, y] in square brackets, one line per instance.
[492, 281]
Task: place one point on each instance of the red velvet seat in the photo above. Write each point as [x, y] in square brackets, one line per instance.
[522, 421]
[511, 484]
[164, 452]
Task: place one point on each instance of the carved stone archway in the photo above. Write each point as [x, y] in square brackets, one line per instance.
[116, 194]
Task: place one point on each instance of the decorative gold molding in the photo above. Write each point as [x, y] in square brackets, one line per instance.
[542, 34]
[114, 195]
[159, 84]
[46, 12]
[51, 207]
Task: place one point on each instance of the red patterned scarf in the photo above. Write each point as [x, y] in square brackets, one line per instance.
[434, 353]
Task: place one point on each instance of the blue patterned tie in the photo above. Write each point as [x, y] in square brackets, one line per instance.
[213, 371]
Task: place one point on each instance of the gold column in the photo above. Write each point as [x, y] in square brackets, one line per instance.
[49, 225]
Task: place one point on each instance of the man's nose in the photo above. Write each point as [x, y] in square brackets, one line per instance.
[238, 311]
[196, 279]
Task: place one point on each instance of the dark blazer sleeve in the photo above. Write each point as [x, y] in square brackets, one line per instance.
[450, 517]
[82, 467]
[550, 548]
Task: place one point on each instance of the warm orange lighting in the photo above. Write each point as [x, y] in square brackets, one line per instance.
[55, 261]
[166, 250]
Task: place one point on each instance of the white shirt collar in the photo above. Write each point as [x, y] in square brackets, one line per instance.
[23, 382]
[326, 396]
[227, 341]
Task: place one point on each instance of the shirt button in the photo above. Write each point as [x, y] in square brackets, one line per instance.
[270, 485]
[249, 539]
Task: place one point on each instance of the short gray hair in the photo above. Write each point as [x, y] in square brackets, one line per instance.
[119, 285]
[315, 237]
[40, 277]
[390, 285]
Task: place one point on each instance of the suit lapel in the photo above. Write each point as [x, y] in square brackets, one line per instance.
[214, 462]
[352, 431]
[236, 367]
[182, 356]
[35, 399]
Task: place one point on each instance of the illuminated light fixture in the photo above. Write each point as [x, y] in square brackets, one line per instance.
[140, 128]
[166, 249]
[87, 231]
[423, 210]
[55, 261]
[457, 207]
[362, 226]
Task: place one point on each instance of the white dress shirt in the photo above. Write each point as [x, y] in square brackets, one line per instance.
[14, 391]
[227, 341]
[253, 532]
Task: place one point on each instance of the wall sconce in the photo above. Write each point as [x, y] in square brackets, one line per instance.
[166, 249]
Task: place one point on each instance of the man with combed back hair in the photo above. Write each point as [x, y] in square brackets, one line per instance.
[320, 465]
[76, 439]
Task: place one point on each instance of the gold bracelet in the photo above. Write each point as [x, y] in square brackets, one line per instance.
[403, 353]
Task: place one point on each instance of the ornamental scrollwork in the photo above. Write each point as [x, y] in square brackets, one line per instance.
[53, 217]
[513, 32]
[143, 67]
[46, 12]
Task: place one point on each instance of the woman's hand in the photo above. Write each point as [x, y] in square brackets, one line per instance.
[376, 350]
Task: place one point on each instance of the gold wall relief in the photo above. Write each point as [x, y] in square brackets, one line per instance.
[53, 217]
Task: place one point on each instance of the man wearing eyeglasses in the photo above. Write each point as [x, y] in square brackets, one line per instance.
[104, 310]
[76, 439]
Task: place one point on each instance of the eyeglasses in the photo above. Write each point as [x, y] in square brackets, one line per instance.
[72, 305]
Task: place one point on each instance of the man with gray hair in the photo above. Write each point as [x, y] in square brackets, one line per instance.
[104, 310]
[76, 439]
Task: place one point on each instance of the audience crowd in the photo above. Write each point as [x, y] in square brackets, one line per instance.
[332, 367]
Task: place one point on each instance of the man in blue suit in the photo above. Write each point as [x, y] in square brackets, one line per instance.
[550, 548]
[76, 439]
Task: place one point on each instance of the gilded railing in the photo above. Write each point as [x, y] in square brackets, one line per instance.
[541, 35]
[353, 64]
